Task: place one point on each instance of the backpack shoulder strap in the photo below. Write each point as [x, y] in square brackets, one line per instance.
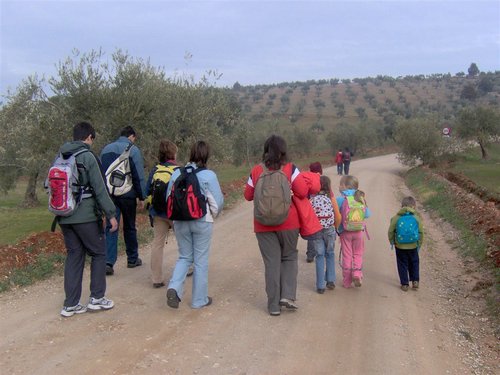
[199, 169]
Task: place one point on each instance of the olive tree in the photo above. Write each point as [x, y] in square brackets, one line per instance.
[111, 95]
[32, 126]
[479, 124]
[419, 140]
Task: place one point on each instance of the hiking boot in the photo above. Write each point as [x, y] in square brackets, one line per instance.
[97, 304]
[70, 311]
[288, 303]
[404, 288]
[158, 285]
[320, 291]
[357, 281]
[414, 284]
[330, 285]
[109, 270]
[137, 263]
[190, 271]
[172, 298]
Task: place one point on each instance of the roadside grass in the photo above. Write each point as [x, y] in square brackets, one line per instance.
[45, 266]
[17, 222]
[485, 173]
[434, 195]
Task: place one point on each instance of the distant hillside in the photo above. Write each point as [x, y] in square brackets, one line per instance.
[321, 105]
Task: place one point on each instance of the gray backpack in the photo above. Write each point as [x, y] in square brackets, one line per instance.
[272, 198]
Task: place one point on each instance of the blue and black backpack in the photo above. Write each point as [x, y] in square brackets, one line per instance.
[407, 229]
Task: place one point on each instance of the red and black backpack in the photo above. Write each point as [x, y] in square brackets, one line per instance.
[185, 201]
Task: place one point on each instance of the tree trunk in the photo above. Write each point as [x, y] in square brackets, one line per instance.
[484, 153]
[30, 196]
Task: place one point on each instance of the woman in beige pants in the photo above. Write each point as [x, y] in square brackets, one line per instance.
[157, 187]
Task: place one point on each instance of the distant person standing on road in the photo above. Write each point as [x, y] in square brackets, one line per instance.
[346, 160]
[339, 161]
[126, 204]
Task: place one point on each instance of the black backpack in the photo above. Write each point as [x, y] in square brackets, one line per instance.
[185, 201]
[346, 156]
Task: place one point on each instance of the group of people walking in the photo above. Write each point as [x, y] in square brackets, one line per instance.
[288, 203]
[84, 231]
[319, 217]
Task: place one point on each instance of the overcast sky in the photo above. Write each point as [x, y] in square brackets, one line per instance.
[255, 42]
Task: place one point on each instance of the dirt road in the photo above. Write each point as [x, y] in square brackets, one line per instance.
[375, 329]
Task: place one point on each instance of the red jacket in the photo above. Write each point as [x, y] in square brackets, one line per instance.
[299, 189]
[339, 158]
[309, 222]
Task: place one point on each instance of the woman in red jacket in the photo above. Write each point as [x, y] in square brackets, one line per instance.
[278, 244]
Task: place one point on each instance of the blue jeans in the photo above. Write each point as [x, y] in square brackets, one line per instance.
[193, 239]
[126, 208]
[324, 244]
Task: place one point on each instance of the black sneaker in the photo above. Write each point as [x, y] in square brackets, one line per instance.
[210, 300]
[330, 285]
[137, 263]
[172, 298]
[321, 291]
[109, 270]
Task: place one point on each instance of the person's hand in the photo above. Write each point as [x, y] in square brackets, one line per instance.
[114, 224]
[140, 205]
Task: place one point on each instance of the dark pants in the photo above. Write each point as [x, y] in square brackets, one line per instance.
[82, 239]
[339, 168]
[346, 167]
[126, 208]
[279, 253]
[408, 264]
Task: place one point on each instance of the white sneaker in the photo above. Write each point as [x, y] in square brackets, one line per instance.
[70, 311]
[288, 303]
[96, 304]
